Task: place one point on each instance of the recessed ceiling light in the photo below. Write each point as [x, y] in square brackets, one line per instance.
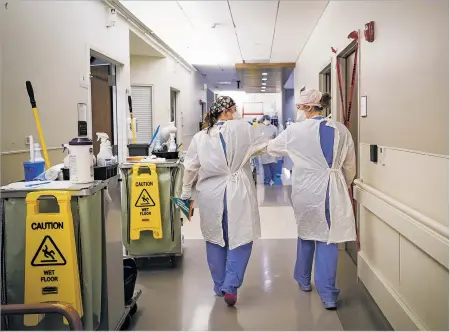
[264, 74]
[264, 79]
[263, 83]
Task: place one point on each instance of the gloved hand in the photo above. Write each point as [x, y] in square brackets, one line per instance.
[186, 192]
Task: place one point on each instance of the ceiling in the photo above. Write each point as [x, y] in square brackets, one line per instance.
[216, 35]
[264, 77]
[140, 47]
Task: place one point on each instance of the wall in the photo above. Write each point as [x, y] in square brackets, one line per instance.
[209, 98]
[288, 105]
[403, 201]
[164, 73]
[48, 43]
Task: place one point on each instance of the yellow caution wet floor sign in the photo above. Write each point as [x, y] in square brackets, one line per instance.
[51, 265]
[145, 211]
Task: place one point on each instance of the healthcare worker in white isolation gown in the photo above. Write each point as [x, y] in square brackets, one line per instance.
[324, 160]
[269, 163]
[218, 159]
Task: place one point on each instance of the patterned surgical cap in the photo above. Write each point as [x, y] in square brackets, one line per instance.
[221, 104]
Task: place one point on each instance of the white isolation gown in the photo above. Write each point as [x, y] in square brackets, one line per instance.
[311, 176]
[206, 162]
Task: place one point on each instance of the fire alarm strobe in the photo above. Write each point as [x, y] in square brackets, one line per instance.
[369, 31]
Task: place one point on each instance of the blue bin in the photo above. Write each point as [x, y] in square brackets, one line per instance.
[32, 170]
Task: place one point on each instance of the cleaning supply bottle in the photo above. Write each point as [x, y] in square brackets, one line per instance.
[67, 158]
[172, 146]
[37, 153]
[105, 156]
[81, 152]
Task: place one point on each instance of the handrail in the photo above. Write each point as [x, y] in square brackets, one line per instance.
[66, 310]
[424, 220]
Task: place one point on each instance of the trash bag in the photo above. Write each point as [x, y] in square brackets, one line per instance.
[129, 278]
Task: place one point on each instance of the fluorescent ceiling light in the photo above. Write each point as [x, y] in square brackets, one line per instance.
[264, 79]
[263, 83]
[224, 83]
[264, 74]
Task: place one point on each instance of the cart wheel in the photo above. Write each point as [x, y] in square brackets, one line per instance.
[173, 261]
[133, 309]
[126, 323]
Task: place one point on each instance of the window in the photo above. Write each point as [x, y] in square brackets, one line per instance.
[142, 111]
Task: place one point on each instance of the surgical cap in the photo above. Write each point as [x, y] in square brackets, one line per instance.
[221, 104]
[310, 97]
[266, 117]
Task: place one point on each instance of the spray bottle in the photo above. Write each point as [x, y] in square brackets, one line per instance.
[105, 156]
[172, 145]
[37, 153]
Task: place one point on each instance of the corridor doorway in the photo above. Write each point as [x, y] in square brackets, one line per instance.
[348, 62]
[103, 82]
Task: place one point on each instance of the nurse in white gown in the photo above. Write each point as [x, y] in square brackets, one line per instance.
[323, 155]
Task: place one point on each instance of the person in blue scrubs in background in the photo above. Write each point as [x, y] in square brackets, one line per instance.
[218, 164]
[269, 163]
[324, 165]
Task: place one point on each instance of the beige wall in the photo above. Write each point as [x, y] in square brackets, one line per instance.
[48, 43]
[404, 72]
[162, 74]
[404, 223]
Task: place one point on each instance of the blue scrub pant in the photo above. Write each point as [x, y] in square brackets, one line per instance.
[227, 266]
[256, 163]
[270, 172]
[324, 269]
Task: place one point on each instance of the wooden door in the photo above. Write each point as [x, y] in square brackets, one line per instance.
[101, 104]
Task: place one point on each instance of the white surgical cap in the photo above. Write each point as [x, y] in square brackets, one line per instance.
[310, 97]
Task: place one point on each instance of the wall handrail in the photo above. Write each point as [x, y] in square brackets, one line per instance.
[66, 310]
[416, 215]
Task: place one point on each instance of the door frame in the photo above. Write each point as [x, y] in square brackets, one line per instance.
[119, 95]
[337, 109]
[323, 84]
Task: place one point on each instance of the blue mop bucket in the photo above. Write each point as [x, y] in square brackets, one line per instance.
[33, 170]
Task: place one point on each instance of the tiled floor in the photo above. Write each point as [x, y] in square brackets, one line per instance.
[183, 298]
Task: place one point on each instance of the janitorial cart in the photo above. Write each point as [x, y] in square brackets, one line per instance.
[151, 223]
[61, 243]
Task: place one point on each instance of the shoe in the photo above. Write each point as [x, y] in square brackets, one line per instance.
[305, 288]
[230, 299]
[330, 305]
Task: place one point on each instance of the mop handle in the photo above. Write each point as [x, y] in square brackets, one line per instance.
[38, 123]
[133, 133]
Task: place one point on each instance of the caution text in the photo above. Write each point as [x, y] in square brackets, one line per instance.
[146, 212]
[144, 184]
[47, 225]
[49, 276]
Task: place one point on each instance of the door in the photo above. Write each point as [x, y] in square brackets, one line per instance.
[351, 247]
[142, 111]
[101, 103]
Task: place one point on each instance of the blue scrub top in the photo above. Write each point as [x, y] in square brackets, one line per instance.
[326, 134]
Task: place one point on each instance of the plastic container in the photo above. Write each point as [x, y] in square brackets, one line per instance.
[81, 161]
[32, 170]
[138, 150]
[167, 155]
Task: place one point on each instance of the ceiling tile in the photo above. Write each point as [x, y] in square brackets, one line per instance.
[255, 22]
[296, 20]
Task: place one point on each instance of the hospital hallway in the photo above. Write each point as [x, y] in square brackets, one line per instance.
[270, 299]
[330, 118]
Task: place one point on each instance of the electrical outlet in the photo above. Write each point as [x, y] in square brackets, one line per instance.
[27, 140]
